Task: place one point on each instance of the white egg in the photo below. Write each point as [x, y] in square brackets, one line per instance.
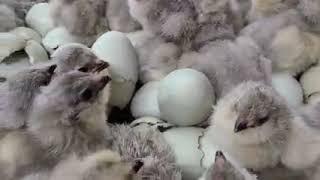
[184, 142]
[10, 43]
[39, 18]
[185, 97]
[36, 52]
[27, 34]
[60, 36]
[208, 149]
[145, 101]
[288, 87]
[146, 123]
[115, 48]
[310, 82]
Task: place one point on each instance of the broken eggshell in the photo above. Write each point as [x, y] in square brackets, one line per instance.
[60, 36]
[115, 48]
[311, 83]
[36, 52]
[39, 18]
[184, 143]
[27, 34]
[144, 124]
[10, 43]
[185, 97]
[288, 87]
[145, 101]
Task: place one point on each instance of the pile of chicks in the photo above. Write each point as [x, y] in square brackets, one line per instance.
[212, 89]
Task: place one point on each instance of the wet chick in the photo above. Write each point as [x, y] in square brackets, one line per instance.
[60, 119]
[223, 169]
[17, 95]
[251, 124]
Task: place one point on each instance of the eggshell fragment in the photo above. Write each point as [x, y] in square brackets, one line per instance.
[288, 87]
[185, 97]
[184, 142]
[36, 52]
[27, 34]
[10, 43]
[145, 101]
[144, 124]
[39, 18]
[115, 48]
[310, 82]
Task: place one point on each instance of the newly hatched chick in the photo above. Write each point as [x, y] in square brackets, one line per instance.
[86, 18]
[266, 8]
[60, 117]
[173, 20]
[79, 57]
[17, 95]
[119, 18]
[150, 147]
[157, 58]
[223, 169]
[229, 63]
[251, 124]
[216, 19]
[7, 18]
[101, 165]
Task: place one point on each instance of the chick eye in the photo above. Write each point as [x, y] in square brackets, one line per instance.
[86, 95]
[83, 69]
[263, 120]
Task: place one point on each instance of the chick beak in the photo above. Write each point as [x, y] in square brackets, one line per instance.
[137, 166]
[101, 65]
[240, 126]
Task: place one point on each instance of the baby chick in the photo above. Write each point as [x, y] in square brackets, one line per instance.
[80, 17]
[17, 95]
[119, 17]
[60, 119]
[150, 147]
[311, 12]
[223, 169]
[173, 20]
[251, 124]
[101, 165]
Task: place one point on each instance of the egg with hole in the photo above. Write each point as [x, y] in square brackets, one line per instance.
[115, 48]
[145, 101]
[185, 97]
[184, 142]
[36, 53]
[39, 19]
[288, 87]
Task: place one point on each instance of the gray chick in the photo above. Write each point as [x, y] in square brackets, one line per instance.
[101, 165]
[17, 95]
[173, 20]
[119, 18]
[224, 169]
[229, 63]
[86, 18]
[310, 9]
[149, 147]
[8, 19]
[251, 124]
[60, 119]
